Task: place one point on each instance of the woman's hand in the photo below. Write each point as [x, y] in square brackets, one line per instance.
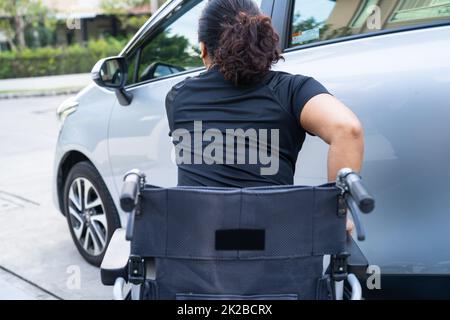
[350, 226]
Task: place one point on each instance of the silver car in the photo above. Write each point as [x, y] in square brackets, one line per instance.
[388, 60]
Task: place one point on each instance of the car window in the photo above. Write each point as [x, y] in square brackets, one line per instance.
[162, 71]
[318, 20]
[131, 62]
[173, 49]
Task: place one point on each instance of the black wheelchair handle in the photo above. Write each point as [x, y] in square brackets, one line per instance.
[358, 191]
[360, 231]
[130, 226]
[129, 196]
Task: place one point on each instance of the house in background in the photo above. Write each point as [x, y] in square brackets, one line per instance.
[81, 20]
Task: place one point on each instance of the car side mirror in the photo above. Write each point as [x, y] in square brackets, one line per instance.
[111, 73]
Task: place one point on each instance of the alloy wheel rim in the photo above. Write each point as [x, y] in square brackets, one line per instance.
[87, 216]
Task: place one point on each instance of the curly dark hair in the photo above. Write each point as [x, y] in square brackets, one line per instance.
[240, 39]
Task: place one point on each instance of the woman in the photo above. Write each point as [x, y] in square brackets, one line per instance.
[240, 97]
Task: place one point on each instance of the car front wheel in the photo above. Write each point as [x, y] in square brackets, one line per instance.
[91, 214]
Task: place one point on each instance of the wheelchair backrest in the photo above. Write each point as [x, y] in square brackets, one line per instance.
[253, 223]
[256, 243]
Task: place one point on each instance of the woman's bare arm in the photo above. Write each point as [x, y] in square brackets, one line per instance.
[329, 119]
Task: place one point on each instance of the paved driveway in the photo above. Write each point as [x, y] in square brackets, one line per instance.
[37, 257]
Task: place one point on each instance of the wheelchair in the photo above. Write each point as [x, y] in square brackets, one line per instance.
[264, 243]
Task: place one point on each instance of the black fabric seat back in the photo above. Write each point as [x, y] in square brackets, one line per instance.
[232, 243]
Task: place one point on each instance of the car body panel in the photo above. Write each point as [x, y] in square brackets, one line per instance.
[399, 86]
[86, 131]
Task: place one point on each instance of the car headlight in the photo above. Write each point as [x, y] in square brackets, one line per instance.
[66, 108]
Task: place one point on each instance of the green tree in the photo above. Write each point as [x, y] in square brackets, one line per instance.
[24, 14]
[171, 49]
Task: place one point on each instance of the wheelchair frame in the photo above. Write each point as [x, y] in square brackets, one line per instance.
[119, 267]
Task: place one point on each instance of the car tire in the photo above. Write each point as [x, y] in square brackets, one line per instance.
[90, 211]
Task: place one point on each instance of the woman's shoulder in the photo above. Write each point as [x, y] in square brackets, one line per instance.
[186, 82]
[185, 86]
[294, 90]
[180, 85]
[177, 88]
[277, 79]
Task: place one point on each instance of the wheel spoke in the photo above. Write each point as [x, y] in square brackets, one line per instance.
[99, 218]
[73, 198]
[95, 241]
[99, 235]
[76, 215]
[77, 230]
[87, 238]
[87, 189]
[91, 205]
[80, 193]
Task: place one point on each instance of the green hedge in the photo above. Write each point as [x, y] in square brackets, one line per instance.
[55, 61]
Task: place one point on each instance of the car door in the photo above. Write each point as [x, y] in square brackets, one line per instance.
[138, 133]
[163, 56]
[388, 61]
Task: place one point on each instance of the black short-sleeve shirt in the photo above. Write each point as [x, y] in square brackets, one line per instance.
[268, 111]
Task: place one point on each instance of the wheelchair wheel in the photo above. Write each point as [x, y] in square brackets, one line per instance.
[90, 211]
